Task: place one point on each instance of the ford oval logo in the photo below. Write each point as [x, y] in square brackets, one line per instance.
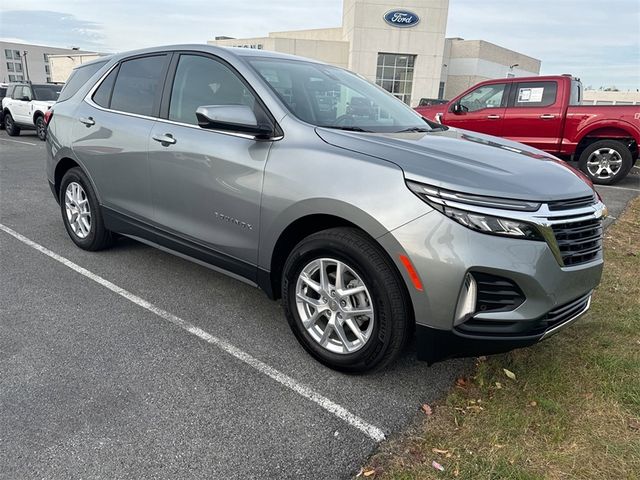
[401, 18]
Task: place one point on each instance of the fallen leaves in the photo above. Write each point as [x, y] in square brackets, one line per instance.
[461, 382]
[366, 472]
[509, 374]
[427, 409]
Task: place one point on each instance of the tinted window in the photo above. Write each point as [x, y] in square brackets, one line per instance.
[487, 96]
[3, 92]
[536, 94]
[136, 88]
[46, 92]
[102, 95]
[203, 81]
[78, 78]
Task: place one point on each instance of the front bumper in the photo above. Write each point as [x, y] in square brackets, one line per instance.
[443, 252]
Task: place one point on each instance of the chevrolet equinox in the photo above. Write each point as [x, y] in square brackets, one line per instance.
[371, 224]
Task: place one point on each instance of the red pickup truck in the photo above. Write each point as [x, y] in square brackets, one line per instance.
[545, 112]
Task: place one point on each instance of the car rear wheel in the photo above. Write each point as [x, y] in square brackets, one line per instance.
[10, 126]
[41, 128]
[345, 301]
[81, 212]
[606, 161]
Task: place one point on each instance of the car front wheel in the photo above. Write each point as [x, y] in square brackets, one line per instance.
[41, 128]
[345, 301]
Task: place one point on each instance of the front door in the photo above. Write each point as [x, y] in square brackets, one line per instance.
[206, 185]
[20, 105]
[481, 110]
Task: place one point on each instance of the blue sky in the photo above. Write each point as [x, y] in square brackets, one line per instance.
[596, 40]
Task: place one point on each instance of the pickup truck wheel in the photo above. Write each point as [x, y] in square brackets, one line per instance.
[81, 212]
[345, 302]
[10, 126]
[41, 128]
[606, 161]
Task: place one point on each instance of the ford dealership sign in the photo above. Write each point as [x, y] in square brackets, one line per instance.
[401, 18]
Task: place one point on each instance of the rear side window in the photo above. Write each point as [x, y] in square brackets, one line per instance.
[536, 94]
[102, 95]
[137, 85]
[78, 78]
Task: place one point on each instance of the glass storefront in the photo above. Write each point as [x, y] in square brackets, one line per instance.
[395, 74]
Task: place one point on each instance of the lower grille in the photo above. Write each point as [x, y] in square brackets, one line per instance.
[579, 242]
[559, 315]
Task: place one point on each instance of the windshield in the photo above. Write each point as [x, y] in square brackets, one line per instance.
[46, 92]
[331, 97]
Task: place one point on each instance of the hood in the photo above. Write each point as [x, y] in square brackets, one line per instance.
[469, 162]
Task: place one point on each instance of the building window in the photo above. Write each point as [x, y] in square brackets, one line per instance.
[48, 79]
[47, 70]
[10, 67]
[441, 90]
[16, 54]
[12, 78]
[395, 74]
[9, 54]
[46, 57]
[18, 67]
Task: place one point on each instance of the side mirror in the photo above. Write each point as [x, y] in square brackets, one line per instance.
[459, 109]
[232, 118]
[25, 99]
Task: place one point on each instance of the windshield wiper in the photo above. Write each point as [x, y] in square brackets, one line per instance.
[347, 128]
[416, 130]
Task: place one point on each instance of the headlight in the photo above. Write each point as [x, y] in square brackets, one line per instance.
[481, 222]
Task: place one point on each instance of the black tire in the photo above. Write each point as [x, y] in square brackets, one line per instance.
[10, 126]
[392, 311]
[98, 237]
[622, 151]
[41, 128]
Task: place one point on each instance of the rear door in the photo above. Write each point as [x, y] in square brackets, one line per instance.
[206, 184]
[482, 109]
[112, 131]
[20, 105]
[534, 115]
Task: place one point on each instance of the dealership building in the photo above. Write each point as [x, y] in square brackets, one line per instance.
[401, 45]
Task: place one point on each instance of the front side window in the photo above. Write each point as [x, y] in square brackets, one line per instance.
[137, 84]
[328, 96]
[536, 94]
[202, 81]
[487, 96]
[21, 93]
[395, 74]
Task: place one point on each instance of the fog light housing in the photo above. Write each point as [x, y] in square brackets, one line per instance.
[466, 301]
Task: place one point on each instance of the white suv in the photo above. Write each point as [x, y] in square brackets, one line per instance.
[25, 105]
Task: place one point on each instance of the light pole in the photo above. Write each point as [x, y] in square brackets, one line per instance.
[25, 65]
[511, 67]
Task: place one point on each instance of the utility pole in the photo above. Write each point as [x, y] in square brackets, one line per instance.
[25, 65]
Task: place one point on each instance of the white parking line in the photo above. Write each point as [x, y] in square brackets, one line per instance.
[370, 430]
[18, 141]
[618, 188]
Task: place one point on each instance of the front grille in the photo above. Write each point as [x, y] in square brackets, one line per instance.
[496, 294]
[572, 203]
[579, 242]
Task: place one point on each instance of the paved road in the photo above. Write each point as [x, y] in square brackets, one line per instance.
[96, 383]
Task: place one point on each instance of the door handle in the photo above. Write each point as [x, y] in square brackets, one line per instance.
[547, 116]
[493, 117]
[166, 139]
[89, 122]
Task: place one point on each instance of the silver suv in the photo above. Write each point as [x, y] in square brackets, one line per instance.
[371, 224]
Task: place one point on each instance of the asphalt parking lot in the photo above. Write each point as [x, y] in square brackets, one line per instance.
[145, 365]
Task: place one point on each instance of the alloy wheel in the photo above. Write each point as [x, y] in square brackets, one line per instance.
[604, 163]
[77, 209]
[335, 305]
